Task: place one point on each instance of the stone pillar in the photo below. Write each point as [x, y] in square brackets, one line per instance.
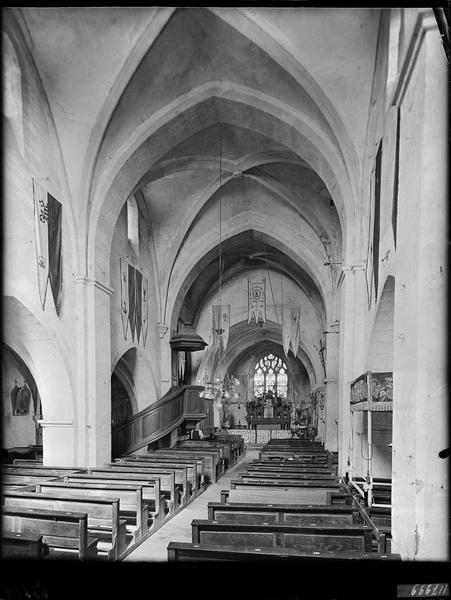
[420, 411]
[332, 401]
[346, 342]
[93, 414]
[165, 359]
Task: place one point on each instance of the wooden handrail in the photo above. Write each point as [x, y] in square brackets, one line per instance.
[158, 419]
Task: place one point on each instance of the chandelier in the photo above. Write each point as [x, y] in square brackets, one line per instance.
[219, 386]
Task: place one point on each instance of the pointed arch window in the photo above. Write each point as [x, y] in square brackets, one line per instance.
[270, 373]
[12, 90]
[133, 227]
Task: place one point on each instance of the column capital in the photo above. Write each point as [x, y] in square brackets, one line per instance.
[91, 281]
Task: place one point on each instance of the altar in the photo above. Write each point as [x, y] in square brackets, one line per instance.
[259, 423]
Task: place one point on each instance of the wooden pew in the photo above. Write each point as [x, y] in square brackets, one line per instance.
[307, 457]
[37, 471]
[180, 477]
[103, 515]
[21, 545]
[224, 447]
[199, 463]
[283, 496]
[152, 496]
[288, 476]
[308, 538]
[301, 514]
[191, 468]
[186, 552]
[237, 442]
[214, 466]
[25, 480]
[65, 533]
[288, 465]
[132, 507]
[286, 484]
[167, 481]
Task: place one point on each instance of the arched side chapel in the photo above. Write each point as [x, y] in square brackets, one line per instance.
[260, 145]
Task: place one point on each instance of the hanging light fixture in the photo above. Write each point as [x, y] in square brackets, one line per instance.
[219, 386]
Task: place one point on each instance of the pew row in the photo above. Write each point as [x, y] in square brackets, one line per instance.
[152, 497]
[214, 464]
[103, 516]
[192, 479]
[21, 545]
[308, 538]
[284, 496]
[186, 552]
[300, 514]
[61, 532]
[132, 507]
[167, 481]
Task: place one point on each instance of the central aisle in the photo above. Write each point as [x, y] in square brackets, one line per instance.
[178, 529]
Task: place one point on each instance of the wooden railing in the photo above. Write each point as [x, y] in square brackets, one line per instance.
[158, 419]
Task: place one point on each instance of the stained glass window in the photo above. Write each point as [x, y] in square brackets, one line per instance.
[270, 373]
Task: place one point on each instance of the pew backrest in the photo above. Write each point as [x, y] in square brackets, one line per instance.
[59, 529]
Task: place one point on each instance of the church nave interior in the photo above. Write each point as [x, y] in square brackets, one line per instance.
[225, 268]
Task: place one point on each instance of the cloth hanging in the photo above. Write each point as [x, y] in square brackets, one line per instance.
[144, 308]
[221, 324]
[286, 332]
[131, 300]
[138, 303]
[123, 266]
[55, 248]
[256, 299]
[41, 216]
[295, 329]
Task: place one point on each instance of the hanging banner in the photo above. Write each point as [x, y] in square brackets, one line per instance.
[144, 308]
[257, 299]
[286, 335]
[295, 329]
[221, 324]
[41, 217]
[123, 266]
[131, 300]
[138, 303]
[55, 211]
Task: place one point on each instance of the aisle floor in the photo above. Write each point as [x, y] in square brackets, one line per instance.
[178, 528]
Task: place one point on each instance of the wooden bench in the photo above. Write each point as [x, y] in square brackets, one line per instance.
[63, 532]
[300, 514]
[283, 496]
[25, 480]
[38, 471]
[285, 484]
[151, 494]
[307, 457]
[186, 552]
[190, 466]
[21, 545]
[166, 479]
[289, 468]
[103, 515]
[214, 466]
[199, 463]
[237, 441]
[224, 447]
[132, 507]
[287, 476]
[308, 538]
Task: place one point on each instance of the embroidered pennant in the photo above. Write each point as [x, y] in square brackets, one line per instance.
[257, 299]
